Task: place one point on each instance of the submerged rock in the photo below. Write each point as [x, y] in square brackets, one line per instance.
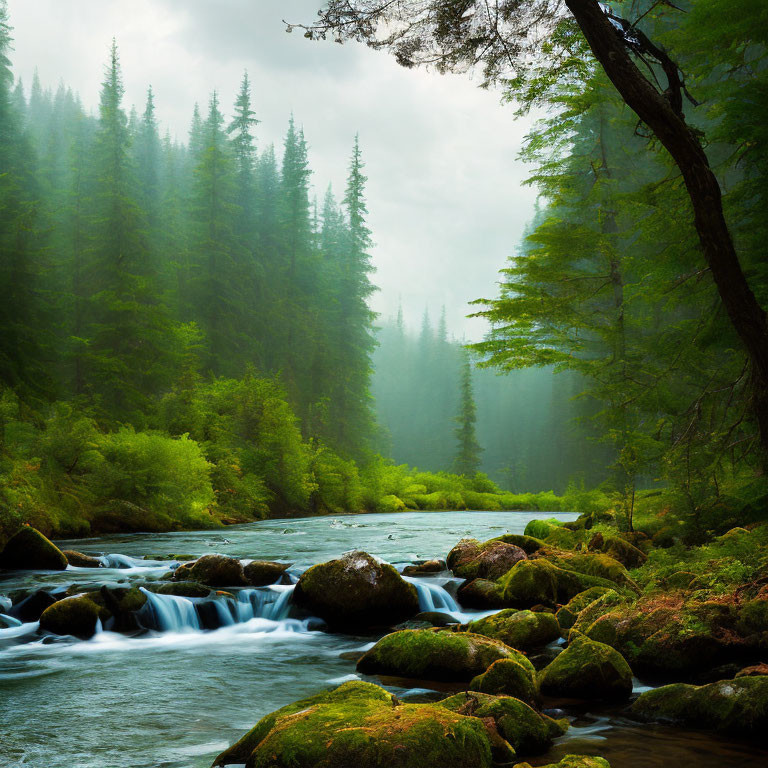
[30, 550]
[737, 707]
[31, 607]
[574, 761]
[356, 591]
[262, 573]
[508, 677]
[525, 730]
[429, 566]
[587, 670]
[76, 616]
[524, 630]
[214, 571]
[360, 724]
[181, 589]
[429, 654]
[79, 560]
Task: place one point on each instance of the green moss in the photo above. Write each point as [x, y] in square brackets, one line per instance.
[574, 761]
[527, 731]
[436, 655]
[481, 593]
[529, 583]
[737, 707]
[598, 565]
[540, 529]
[587, 670]
[524, 630]
[28, 549]
[360, 724]
[508, 677]
[528, 544]
[567, 615]
[595, 608]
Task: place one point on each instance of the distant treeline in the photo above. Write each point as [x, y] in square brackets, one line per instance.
[531, 426]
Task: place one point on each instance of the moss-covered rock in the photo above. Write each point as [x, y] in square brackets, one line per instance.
[587, 670]
[214, 571]
[619, 549]
[569, 613]
[79, 560]
[529, 583]
[599, 566]
[528, 732]
[362, 725]
[181, 589]
[524, 630]
[29, 550]
[428, 654]
[540, 529]
[490, 560]
[574, 761]
[429, 566]
[76, 616]
[528, 544]
[356, 591]
[507, 677]
[261, 573]
[462, 553]
[481, 593]
[737, 707]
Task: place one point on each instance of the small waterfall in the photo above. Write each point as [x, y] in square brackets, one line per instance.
[433, 597]
[168, 613]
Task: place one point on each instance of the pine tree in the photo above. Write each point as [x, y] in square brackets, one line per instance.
[467, 461]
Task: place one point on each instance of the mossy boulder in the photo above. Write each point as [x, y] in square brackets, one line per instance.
[29, 550]
[569, 613]
[79, 560]
[529, 544]
[508, 677]
[356, 591]
[597, 565]
[462, 553]
[429, 566]
[540, 529]
[524, 630]
[76, 616]
[736, 707]
[574, 761]
[481, 593]
[587, 670]
[214, 571]
[528, 732]
[181, 589]
[433, 654]
[619, 549]
[362, 725]
[490, 560]
[261, 573]
[529, 583]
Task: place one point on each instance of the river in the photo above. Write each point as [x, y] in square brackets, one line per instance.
[175, 696]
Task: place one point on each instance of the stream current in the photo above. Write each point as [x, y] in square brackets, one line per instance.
[199, 676]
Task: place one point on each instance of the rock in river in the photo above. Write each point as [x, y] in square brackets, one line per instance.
[524, 630]
[213, 571]
[30, 550]
[356, 591]
[261, 573]
[79, 560]
[429, 654]
[360, 724]
[587, 670]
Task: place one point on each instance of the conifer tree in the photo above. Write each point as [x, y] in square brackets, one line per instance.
[467, 461]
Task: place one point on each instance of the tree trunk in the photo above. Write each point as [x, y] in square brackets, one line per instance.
[669, 126]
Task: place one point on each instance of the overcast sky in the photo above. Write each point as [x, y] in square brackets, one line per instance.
[445, 192]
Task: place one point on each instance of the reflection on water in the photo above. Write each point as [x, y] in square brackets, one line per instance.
[176, 695]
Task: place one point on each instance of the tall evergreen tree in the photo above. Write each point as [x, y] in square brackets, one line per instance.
[467, 461]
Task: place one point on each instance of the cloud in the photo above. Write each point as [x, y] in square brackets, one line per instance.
[445, 186]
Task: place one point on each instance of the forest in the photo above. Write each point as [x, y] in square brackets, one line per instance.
[223, 472]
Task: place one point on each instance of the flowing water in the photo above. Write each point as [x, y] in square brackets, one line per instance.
[204, 671]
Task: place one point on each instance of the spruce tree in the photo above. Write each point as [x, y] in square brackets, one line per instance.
[467, 461]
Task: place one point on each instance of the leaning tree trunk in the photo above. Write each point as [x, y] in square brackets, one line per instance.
[665, 118]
